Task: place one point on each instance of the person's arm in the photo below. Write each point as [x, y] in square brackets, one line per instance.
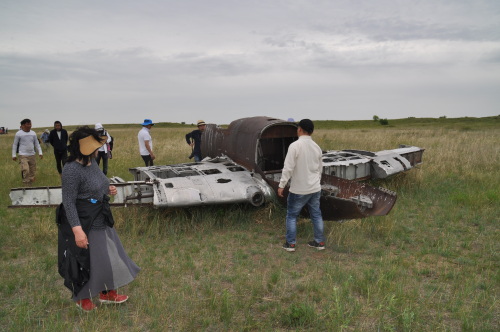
[14, 147]
[146, 144]
[80, 237]
[320, 165]
[38, 147]
[51, 138]
[70, 184]
[188, 138]
[112, 190]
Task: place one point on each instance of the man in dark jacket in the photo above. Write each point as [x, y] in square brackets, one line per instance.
[58, 138]
[194, 140]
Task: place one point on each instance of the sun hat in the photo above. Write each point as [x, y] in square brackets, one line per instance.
[148, 122]
[200, 123]
[89, 144]
[98, 126]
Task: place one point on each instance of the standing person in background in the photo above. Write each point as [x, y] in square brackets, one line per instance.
[194, 140]
[103, 150]
[303, 166]
[87, 238]
[146, 142]
[58, 138]
[44, 139]
[25, 143]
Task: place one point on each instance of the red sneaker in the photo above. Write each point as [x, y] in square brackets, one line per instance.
[112, 297]
[86, 305]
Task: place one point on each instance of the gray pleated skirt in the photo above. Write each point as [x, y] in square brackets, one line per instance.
[110, 266]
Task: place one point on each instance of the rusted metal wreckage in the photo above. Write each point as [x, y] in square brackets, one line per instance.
[244, 164]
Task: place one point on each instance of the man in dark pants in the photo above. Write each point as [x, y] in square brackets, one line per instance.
[194, 140]
[146, 142]
[58, 138]
[103, 150]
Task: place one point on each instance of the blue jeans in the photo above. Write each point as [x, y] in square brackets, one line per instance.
[197, 158]
[295, 203]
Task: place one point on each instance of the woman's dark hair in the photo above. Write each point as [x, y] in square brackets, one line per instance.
[74, 145]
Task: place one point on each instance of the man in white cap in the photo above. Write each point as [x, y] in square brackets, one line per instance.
[103, 150]
[146, 142]
[194, 140]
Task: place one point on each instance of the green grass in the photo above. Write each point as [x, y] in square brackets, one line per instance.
[464, 124]
[432, 264]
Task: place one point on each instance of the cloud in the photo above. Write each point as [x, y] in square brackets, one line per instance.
[177, 61]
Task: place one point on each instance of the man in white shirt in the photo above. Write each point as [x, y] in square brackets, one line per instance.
[146, 143]
[303, 167]
[25, 142]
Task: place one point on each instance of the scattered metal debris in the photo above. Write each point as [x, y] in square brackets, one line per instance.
[244, 164]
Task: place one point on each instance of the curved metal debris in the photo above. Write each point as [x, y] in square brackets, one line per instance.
[244, 164]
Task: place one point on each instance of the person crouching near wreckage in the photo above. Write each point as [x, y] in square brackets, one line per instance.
[91, 258]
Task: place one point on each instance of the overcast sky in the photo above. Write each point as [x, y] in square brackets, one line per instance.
[120, 61]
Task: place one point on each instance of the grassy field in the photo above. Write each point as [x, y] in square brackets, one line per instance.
[432, 264]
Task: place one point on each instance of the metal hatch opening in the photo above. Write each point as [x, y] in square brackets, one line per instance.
[273, 145]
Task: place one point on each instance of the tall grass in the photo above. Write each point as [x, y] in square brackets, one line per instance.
[431, 264]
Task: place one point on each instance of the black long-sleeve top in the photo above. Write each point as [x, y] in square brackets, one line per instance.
[59, 144]
[196, 136]
[83, 182]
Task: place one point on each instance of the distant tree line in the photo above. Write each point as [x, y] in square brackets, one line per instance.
[383, 122]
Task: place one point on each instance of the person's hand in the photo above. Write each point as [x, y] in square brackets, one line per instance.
[112, 190]
[153, 157]
[14, 158]
[41, 156]
[192, 144]
[80, 237]
[280, 192]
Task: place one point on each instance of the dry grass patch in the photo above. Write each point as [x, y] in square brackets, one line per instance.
[431, 264]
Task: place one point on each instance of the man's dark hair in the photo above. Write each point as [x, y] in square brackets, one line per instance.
[307, 126]
[25, 121]
[74, 144]
[57, 122]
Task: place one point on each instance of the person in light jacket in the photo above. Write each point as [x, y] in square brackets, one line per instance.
[25, 143]
[303, 167]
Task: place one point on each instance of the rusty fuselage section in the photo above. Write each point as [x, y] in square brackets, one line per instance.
[260, 144]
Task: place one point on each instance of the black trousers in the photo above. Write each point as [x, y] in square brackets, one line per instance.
[61, 157]
[104, 156]
[147, 160]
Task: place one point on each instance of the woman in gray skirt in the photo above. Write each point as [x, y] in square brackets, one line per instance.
[92, 260]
